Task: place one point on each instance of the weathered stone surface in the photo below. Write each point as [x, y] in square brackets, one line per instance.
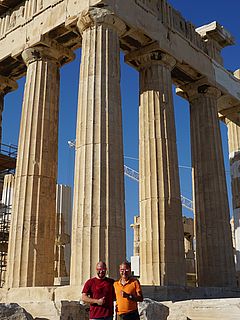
[149, 309]
[32, 230]
[13, 311]
[161, 229]
[7, 4]
[234, 158]
[25, 24]
[63, 303]
[74, 310]
[98, 207]
[99, 184]
[176, 293]
[38, 301]
[214, 254]
[222, 309]
[6, 85]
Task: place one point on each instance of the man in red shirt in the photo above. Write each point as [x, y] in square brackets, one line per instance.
[99, 293]
[128, 293]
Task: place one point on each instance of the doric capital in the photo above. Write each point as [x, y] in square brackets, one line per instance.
[49, 50]
[99, 16]
[197, 90]
[155, 57]
[149, 55]
[228, 122]
[214, 31]
[7, 85]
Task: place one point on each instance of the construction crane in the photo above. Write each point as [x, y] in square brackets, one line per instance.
[134, 175]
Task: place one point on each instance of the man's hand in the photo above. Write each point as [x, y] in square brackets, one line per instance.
[87, 299]
[137, 298]
[126, 295]
[101, 301]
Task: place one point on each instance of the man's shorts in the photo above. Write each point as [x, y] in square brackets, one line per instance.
[133, 315]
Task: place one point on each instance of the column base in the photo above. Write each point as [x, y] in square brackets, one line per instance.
[172, 293]
[205, 309]
[48, 303]
[62, 303]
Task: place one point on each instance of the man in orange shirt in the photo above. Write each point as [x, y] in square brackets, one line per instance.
[128, 292]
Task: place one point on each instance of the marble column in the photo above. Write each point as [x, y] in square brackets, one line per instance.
[6, 85]
[136, 235]
[234, 157]
[1, 110]
[32, 233]
[161, 229]
[214, 253]
[98, 227]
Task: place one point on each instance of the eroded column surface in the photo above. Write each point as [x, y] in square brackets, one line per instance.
[161, 230]
[32, 234]
[214, 254]
[234, 157]
[98, 231]
[6, 85]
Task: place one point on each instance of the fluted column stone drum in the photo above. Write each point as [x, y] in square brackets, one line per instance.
[234, 158]
[32, 233]
[214, 252]
[161, 229]
[6, 85]
[98, 228]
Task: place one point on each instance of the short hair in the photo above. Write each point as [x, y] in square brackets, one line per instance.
[125, 263]
[101, 262]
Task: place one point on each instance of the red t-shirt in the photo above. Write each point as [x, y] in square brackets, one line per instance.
[96, 289]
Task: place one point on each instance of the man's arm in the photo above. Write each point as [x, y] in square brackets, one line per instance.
[138, 297]
[87, 299]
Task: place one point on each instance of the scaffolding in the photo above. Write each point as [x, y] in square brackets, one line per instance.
[133, 174]
[5, 212]
[8, 155]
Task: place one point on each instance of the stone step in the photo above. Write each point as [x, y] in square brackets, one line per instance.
[205, 309]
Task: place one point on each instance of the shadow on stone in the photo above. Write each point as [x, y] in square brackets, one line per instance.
[12, 311]
[149, 310]
[172, 293]
[73, 310]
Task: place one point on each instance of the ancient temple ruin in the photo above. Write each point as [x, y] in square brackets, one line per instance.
[37, 37]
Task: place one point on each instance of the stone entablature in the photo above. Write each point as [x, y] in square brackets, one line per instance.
[7, 4]
[37, 42]
[170, 17]
[146, 23]
[20, 15]
[173, 19]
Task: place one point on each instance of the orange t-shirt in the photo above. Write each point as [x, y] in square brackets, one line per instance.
[133, 287]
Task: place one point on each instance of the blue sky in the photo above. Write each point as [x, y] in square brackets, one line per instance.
[199, 13]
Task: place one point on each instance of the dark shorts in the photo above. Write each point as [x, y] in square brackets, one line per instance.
[133, 315]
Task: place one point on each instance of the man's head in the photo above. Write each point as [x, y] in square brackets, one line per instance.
[101, 269]
[125, 270]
